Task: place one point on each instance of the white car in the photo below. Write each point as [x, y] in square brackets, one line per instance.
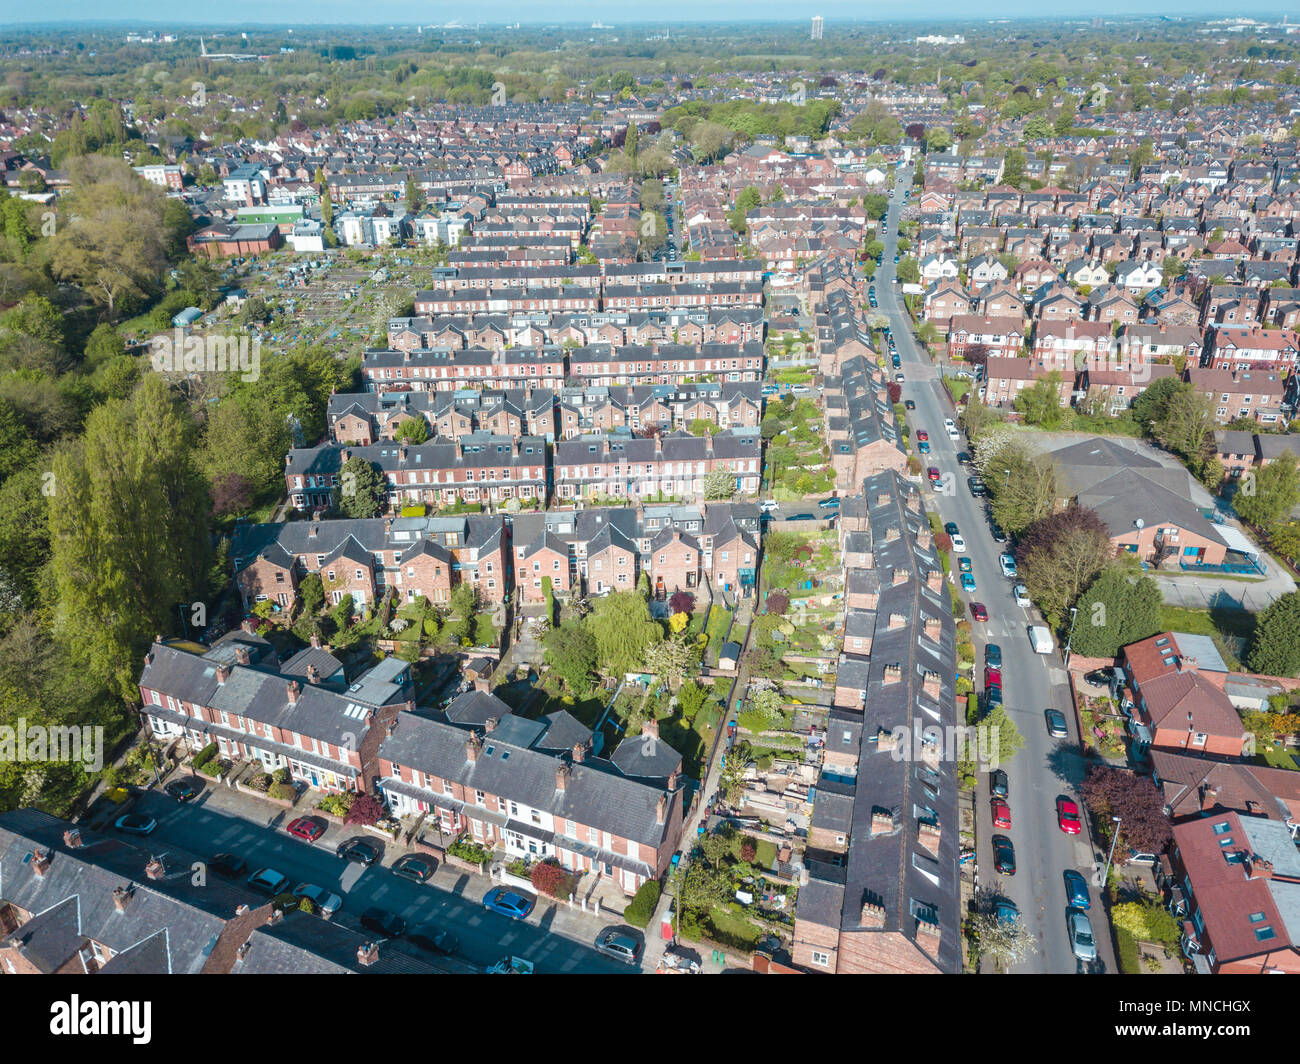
[768, 505]
[1008, 563]
[1022, 595]
[953, 434]
[949, 424]
[958, 545]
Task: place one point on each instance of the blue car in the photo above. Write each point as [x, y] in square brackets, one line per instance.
[1076, 890]
[508, 903]
[1007, 912]
[923, 446]
[967, 582]
[833, 503]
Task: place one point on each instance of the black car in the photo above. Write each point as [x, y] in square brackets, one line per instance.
[952, 529]
[998, 783]
[1004, 855]
[976, 485]
[183, 790]
[228, 866]
[908, 404]
[1099, 677]
[992, 696]
[433, 938]
[382, 922]
[414, 867]
[362, 851]
[963, 458]
[993, 656]
[998, 535]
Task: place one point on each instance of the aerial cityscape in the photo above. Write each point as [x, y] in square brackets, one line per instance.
[735, 492]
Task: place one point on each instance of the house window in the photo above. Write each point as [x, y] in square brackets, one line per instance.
[821, 959]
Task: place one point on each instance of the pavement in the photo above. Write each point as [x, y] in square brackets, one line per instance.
[1045, 767]
[555, 937]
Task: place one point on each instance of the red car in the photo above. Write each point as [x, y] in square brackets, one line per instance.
[933, 473]
[979, 611]
[307, 828]
[921, 434]
[1001, 814]
[1067, 816]
[992, 677]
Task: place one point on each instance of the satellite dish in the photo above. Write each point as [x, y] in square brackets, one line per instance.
[1138, 524]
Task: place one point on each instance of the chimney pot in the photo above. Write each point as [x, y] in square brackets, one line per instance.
[121, 895]
[579, 753]
[72, 839]
[155, 868]
[367, 954]
[561, 776]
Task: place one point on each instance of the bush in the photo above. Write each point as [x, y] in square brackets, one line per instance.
[641, 908]
[281, 775]
[778, 602]
[284, 792]
[552, 880]
[468, 850]
[748, 850]
[212, 768]
[365, 809]
[204, 756]
[336, 804]
[260, 782]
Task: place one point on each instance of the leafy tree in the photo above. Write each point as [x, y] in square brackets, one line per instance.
[365, 809]
[976, 354]
[464, 600]
[670, 659]
[1264, 498]
[1060, 555]
[719, 484]
[998, 941]
[414, 430]
[1187, 428]
[1118, 609]
[1135, 800]
[1009, 740]
[1025, 494]
[1040, 403]
[232, 494]
[360, 491]
[311, 593]
[128, 528]
[876, 206]
[624, 630]
[1275, 650]
[907, 270]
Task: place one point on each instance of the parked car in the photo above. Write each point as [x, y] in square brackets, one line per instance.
[1081, 940]
[1076, 889]
[1067, 816]
[508, 903]
[1008, 563]
[1099, 677]
[922, 447]
[921, 434]
[1139, 857]
[933, 474]
[1006, 911]
[268, 881]
[998, 535]
[433, 938]
[998, 783]
[952, 529]
[992, 696]
[976, 485]
[135, 824]
[1001, 814]
[1021, 594]
[415, 867]
[958, 545]
[964, 565]
[992, 676]
[1004, 856]
[993, 655]
[832, 503]
[908, 404]
[325, 902]
[307, 828]
[967, 582]
[227, 865]
[979, 611]
[768, 505]
[183, 790]
[1056, 724]
[382, 922]
[359, 851]
[949, 425]
[620, 944]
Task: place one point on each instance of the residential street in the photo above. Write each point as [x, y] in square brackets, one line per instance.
[1045, 767]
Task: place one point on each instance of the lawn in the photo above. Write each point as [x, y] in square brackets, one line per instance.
[716, 629]
[1277, 757]
[957, 387]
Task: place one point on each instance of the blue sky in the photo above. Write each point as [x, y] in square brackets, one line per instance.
[615, 12]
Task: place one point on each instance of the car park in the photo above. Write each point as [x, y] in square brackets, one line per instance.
[434, 939]
[1001, 813]
[967, 582]
[1081, 940]
[1067, 816]
[620, 944]
[979, 611]
[307, 828]
[1056, 724]
[1004, 856]
[269, 882]
[415, 867]
[1008, 564]
[998, 782]
[508, 903]
[1076, 890]
[383, 922]
[135, 824]
[958, 545]
[1021, 594]
[183, 790]
[993, 655]
[359, 851]
[323, 901]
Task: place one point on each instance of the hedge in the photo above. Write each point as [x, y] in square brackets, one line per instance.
[204, 756]
[641, 908]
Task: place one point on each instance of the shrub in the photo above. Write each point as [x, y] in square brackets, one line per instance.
[550, 879]
[211, 768]
[280, 775]
[284, 792]
[778, 602]
[204, 756]
[641, 908]
[748, 850]
[468, 850]
[260, 782]
[365, 809]
[336, 804]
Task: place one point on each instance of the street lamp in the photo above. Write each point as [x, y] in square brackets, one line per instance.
[1007, 482]
[1105, 876]
[1074, 610]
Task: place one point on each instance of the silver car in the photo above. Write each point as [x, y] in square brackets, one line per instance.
[619, 944]
[323, 901]
[1081, 940]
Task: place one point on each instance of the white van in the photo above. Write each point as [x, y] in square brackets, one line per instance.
[1041, 638]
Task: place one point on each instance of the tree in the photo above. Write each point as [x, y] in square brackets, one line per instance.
[360, 491]
[907, 270]
[311, 593]
[1060, 555]
[1138, 803]
[1022, 486]
[1151, 406]
[247, 436]
[1040, 403]
[232, 494]
[1013, 170]
[1000, 941]
[682, 602]
[570, 650]
[670, 659]
[1187, 428]
[624, 630]
[128, 520]
[1116, 610]
[976, 354]
[719, 484]
[977, 418]
[876, 206]
[551, 879]
[1275, 649]
[937, 139]
[414, 430]
[1264, 498]
[1009, 740]
[365, 809]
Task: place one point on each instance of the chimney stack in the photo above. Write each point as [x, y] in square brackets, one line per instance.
[872, 915]
[249, 626]
[313, 674]
[72, 839]
[650, 727]
[367, 954]
[121, 895]
[155, 869]
[292, 688]
[661, 809]
[315, 641]
[561, 776]
[579, 753]
[223, 673]
[241, 656]
[40, 861]
[490, 725]
[471, 748]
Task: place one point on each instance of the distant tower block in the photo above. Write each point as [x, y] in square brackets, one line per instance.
[817, 27]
